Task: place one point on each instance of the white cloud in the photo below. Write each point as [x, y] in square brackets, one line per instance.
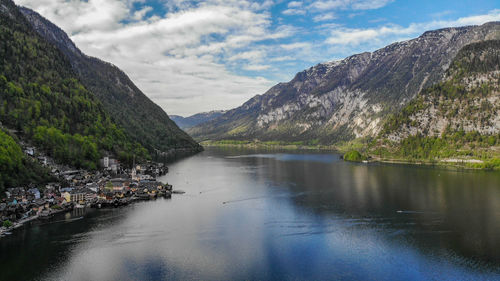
[324, 17]
[139, 15]
[297, 45]
[294, 4]
[350, 36]
[203, 55]
[177, 59]
[370, 4]
[250, 55]
[291, 12]
[325, 5]
[256, 67]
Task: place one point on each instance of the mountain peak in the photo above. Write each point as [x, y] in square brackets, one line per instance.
[346, 99]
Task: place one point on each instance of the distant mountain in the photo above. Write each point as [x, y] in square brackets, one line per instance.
[196, 119]
[347, 99]
[142, 119]
[459, 116]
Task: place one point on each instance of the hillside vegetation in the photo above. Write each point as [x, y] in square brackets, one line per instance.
[141, 119]
[44, 101]
[456, 118]
[16, 168]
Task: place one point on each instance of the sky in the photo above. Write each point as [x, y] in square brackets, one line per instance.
[197, 56]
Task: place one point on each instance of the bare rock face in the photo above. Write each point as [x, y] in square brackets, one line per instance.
[346, 99]
[466, 100]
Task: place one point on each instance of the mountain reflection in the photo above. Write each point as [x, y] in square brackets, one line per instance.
[274, 215]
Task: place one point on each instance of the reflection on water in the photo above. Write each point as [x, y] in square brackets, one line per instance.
[255, 215]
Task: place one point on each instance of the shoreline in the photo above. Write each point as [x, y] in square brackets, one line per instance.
[448, 163]
[4, 231]
[263, 145]
[107, 204]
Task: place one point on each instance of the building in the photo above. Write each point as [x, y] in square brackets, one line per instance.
[35, 192]
[30, 151]
[110, 163]
[67, 196]
[119, 184]
[94, 187]
[105, 161]
[82, 195]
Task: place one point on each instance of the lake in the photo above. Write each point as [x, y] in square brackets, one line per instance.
[277, 215]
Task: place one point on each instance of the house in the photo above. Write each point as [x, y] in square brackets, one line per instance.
[16, 192]
[35, 192]
[30, 151]
[77, 195]
[67, 196]
[133, 174]
[92, 186]
[145, 177]
[43, 160]
[90, 195]
[119, 184]
[109, 163]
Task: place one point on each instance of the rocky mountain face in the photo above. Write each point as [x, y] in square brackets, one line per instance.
[467, 100]
[196, 119]
[141, 118]
[347, 99]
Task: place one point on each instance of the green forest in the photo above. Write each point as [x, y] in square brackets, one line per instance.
[17, 169]
[43, 101]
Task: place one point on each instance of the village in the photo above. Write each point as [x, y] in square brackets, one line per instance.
[110, 186]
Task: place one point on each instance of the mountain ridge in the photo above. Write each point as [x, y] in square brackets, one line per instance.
[195, 119]
[142, 119]
[347, 99]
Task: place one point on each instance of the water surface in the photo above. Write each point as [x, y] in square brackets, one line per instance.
[270, 215]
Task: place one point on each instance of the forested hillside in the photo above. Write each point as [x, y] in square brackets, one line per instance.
[42, 98]
[458, 117]
[142, 120]
[17, 169]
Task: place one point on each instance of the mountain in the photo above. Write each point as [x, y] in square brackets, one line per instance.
[45, 103]
[347, 99]
[142, 120]
[196, 119]
[457, 117]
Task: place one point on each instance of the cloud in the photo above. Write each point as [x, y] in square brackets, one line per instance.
[256, 67]
[294, 4]
[290, 12]
[382, 34]
[139, 15]
[192, 56]
[255, 55]
[297, 45]
[324, 17]
[325, 5]
[187, 51]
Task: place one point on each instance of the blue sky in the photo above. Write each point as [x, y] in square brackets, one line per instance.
[194, 56]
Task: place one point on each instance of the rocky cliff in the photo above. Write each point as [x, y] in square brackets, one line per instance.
[467, 100]
[347, 99]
